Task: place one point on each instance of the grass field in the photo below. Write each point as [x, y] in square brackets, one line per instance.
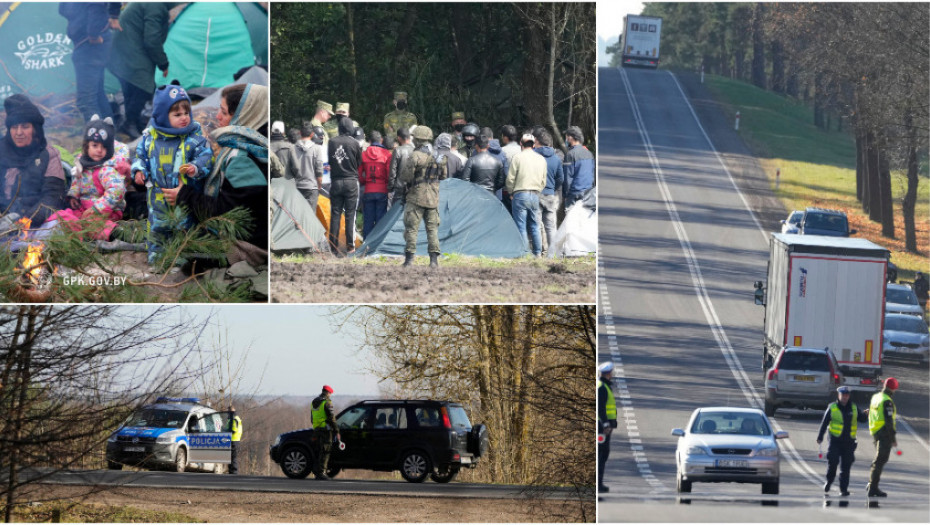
[66, 511]
[818, 168]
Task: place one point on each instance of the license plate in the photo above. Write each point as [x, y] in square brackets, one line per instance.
[810, 379]
[739, 463]
[466, 461]
[134, 449]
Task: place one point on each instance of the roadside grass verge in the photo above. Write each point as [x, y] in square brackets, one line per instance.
[818, 167]
[65, 511]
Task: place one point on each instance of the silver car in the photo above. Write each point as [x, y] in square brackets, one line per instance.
[901, 299]
[726, 444]
[801, 378]
[906, 337]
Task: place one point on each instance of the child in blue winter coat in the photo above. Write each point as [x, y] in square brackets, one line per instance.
[172, 151]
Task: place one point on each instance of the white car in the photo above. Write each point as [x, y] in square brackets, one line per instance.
[906, 337]
[901, 299]
[790, 225]
[726, 444]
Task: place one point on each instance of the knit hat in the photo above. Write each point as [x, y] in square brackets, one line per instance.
[20, 109]
[346, 127]
[444, 141]
[165, 97]
[102, 131]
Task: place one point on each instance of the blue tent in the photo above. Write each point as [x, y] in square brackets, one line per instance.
[472, 221]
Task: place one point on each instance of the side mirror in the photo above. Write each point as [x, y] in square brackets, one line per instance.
[781, 434]
[678, 432]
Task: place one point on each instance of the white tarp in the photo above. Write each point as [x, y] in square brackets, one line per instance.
[577, 234]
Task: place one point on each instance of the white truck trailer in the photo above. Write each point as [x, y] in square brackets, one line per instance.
[827, 292]
[641, 35]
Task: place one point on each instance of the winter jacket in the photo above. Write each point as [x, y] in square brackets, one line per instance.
[310, 164]
[36, 191]
[88, 20]
[285, 152]
[375, 169]
[140, 47]
[454, 162]
[554, 174]
[105, 185]
[345, 157]
[578, 171]
[485, 170]
[527, 172]
[160, 155]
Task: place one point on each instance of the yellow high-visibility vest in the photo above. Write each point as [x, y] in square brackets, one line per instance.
[236, 428]
[836, 421]
[877, 413]
[318, 415]
[611, 402]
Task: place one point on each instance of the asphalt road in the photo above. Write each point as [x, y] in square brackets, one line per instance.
[679, 251]
[203, 481]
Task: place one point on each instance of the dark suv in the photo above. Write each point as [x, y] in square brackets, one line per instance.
[819, 221]
[422, 439]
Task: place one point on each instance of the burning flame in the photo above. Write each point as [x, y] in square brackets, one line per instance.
[24, 224]
[33, 262]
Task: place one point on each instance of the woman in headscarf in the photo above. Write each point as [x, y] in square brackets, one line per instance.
[32, 180]
[240, 174]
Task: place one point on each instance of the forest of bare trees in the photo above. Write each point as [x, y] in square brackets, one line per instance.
[861, 66]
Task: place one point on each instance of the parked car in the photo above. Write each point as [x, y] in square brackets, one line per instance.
[820, 221]
[421, 439]
[801, 378]
[726, 444]
[790, 225]
[901, 299]
[176, 433]
[906, 337]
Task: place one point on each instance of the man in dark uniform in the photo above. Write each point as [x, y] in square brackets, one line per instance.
[841, 417]
[921, 289]
[883, 419]
[421, 174]
[324, 426]
[606, 421]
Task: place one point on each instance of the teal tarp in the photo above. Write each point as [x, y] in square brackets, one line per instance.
[472, 221]
[35, 52]
[210, 41]
[294, 225]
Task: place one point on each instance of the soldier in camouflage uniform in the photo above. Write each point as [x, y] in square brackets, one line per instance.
[458, 122]
[332, 125]
[422, 173]
[400, 117]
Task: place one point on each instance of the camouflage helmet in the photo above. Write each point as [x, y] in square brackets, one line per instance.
[423, 133]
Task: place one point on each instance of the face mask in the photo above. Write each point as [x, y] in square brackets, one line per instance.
[402, 105]
[459, 127]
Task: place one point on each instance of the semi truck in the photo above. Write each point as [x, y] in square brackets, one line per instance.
[827, 292]
[641, 35]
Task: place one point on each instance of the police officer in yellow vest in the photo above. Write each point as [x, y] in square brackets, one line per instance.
[883, 419]
[606, 420]
[235, 426]
[324, 426]
[841, 418]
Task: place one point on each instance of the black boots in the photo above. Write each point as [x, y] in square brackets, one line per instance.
[434, 260]
[408, 258]
[873, 492]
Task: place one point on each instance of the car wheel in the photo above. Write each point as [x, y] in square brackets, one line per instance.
[296, 463]
[415, 467]
[180, 460]
[769, 409]
[683, 485]
[770, 488]
[333, 471]
[112, 465]
[444, 474]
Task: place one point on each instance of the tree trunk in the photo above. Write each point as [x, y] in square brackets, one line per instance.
[739, 59]
[818, 102]
[910, 196]
[792, 86]
[758, 47]
[778, 67]
[860, 165]
[354, 67]
[872, 204]
[887, 205]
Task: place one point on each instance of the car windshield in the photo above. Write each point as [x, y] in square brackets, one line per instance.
[813, 361]
[158, 418]
[795, 218]
[743, 423]
[900, 296]
[459, 418]
[821, 221]
[906, 324]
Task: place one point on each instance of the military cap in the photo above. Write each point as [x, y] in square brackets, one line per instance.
[342, 108]
[325, 106]
[423, 133]
[458, 115]
[400, 95]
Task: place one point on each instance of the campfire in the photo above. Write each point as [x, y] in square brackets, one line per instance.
[36, 277]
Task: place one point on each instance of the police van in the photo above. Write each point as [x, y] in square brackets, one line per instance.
[176, 433]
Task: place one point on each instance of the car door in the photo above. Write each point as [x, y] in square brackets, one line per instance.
[389, 433]
[209, 438]
[355, 425]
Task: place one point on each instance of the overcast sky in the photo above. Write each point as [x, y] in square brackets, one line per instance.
[290, 350]
[610, 17]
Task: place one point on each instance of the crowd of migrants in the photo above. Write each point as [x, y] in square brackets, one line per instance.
[173, 163]
[403, 166]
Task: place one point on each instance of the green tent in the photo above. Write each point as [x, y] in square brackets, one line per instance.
[210, 41]
[294, 226]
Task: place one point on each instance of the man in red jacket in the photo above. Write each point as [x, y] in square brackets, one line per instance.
[373, 176]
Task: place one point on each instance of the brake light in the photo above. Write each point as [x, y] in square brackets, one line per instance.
[772, 374]
[456, 457]
[445, 417]
[867, 381]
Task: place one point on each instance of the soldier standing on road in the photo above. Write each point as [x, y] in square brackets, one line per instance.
[324, 426]
[841, 417]
[400, 117]
[606, 420]
[421, 173]
[235, 425]
[883, 419]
